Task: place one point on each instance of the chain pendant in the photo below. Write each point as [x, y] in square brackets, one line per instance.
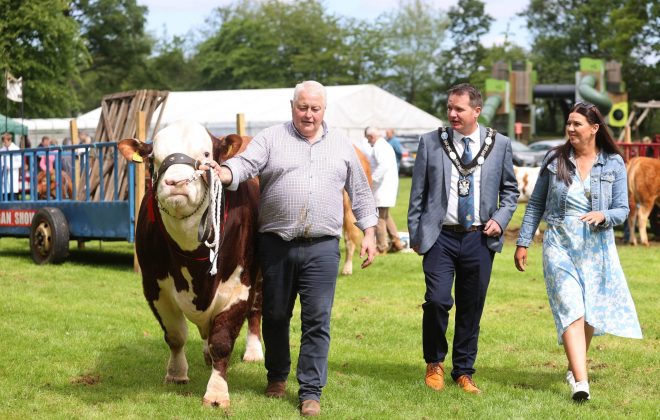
[463, 187]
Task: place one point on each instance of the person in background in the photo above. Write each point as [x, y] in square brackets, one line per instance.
[385, 186]
[463, 195]
[303, 167]
[67, 157]
[582, 194]
[518, 130]
[10, 168]
[46, 142]
[396, 145]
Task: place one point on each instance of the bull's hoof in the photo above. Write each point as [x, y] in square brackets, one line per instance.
[253, 355]
[347, 271]
[169, 379]
[215, 403]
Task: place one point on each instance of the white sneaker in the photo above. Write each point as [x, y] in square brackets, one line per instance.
[581, 391]
[570, 379]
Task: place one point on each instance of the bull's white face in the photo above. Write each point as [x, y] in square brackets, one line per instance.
[176, 194]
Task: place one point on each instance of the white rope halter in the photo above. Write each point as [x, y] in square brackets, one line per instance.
[215, 212]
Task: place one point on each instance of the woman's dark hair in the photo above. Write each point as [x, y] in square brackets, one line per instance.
[604, 142]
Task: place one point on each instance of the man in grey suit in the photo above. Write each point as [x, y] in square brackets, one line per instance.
[463, 195]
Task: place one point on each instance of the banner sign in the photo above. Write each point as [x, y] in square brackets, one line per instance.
[16, 217]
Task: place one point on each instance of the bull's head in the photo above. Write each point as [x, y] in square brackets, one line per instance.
[176, 153]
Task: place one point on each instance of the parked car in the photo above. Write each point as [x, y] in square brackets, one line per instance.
[546, 145]
[409, 145]
[524, 155]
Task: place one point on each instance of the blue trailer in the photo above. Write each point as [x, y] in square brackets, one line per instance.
[69, 206]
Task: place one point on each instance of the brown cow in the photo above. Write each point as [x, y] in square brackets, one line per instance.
[643, 190]
[352, 234]
[42, 185]
[177, 265]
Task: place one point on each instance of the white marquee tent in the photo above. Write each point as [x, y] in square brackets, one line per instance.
[350, 108]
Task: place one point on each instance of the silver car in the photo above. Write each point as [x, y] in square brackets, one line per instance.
[524, 155]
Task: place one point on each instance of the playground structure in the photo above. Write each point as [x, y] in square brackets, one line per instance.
[510, 93]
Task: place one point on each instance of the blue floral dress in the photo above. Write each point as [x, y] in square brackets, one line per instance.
[583, 275]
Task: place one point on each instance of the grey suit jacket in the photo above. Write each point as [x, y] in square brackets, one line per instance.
[430, 190]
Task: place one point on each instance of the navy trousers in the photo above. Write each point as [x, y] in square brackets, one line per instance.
[465, 257]
[309, 269]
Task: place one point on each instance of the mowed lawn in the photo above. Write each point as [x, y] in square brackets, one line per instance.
[78, 340]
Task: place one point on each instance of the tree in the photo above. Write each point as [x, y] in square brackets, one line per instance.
[274, 44]
[169, 68]
[464, 60]
[40, 42]
[114, 32]
[413, 35]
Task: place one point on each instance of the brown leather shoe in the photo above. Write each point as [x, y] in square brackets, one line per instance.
[435, 376]
[276, 389]
[467, 384]
[310, 408]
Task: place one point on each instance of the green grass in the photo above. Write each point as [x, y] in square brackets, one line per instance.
[78, 341]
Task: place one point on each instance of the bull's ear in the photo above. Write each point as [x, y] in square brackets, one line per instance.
[226, 147]
[134, 150]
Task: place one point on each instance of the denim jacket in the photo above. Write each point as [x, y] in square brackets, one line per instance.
[609, 194]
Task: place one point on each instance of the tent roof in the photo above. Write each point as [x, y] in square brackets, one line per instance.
[351, 108]
[11, 125]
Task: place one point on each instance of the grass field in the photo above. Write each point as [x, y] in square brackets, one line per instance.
[77, 340]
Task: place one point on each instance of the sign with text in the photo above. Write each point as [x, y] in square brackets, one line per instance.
[16, 217]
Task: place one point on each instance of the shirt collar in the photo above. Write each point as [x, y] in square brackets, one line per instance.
[600, 157]
[297, 133]
[474, 135]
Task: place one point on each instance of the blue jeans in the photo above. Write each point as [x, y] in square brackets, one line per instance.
[309, 269]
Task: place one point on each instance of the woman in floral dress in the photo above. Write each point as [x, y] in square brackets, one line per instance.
[582, 194]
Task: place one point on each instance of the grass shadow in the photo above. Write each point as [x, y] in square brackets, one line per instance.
[135, 371]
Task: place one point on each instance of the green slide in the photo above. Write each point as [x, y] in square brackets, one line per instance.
[588, 93]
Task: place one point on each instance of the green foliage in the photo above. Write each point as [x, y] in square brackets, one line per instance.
[413, 35]
[40, 43]
[461, 62]
[277, 44]
[113, 31]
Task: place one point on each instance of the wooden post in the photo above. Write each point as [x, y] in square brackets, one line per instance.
[240, 124]
[73, 131]
[139, 179]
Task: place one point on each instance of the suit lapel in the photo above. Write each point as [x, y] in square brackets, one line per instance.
[482, 138]
[447, 165]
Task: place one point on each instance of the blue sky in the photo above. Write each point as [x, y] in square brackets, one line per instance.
[177, 17]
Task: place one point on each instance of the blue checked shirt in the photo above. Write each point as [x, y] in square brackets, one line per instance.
[302, 184]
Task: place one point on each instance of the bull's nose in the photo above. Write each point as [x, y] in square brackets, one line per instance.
[173, 182]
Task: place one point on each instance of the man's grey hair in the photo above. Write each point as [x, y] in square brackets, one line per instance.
[311, 86]
[373, 131]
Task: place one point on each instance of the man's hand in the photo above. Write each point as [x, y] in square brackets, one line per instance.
[222, 172]
[520, 258]
[368, 246]
[492, 229]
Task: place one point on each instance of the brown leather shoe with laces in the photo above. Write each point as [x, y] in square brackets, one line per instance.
[435, 376]
[310, 408]
[276, 389]
[467, 384]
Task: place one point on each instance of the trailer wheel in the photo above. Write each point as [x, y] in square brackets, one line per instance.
[49, 236]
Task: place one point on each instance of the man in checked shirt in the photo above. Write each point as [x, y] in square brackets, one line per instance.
[303, 167]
